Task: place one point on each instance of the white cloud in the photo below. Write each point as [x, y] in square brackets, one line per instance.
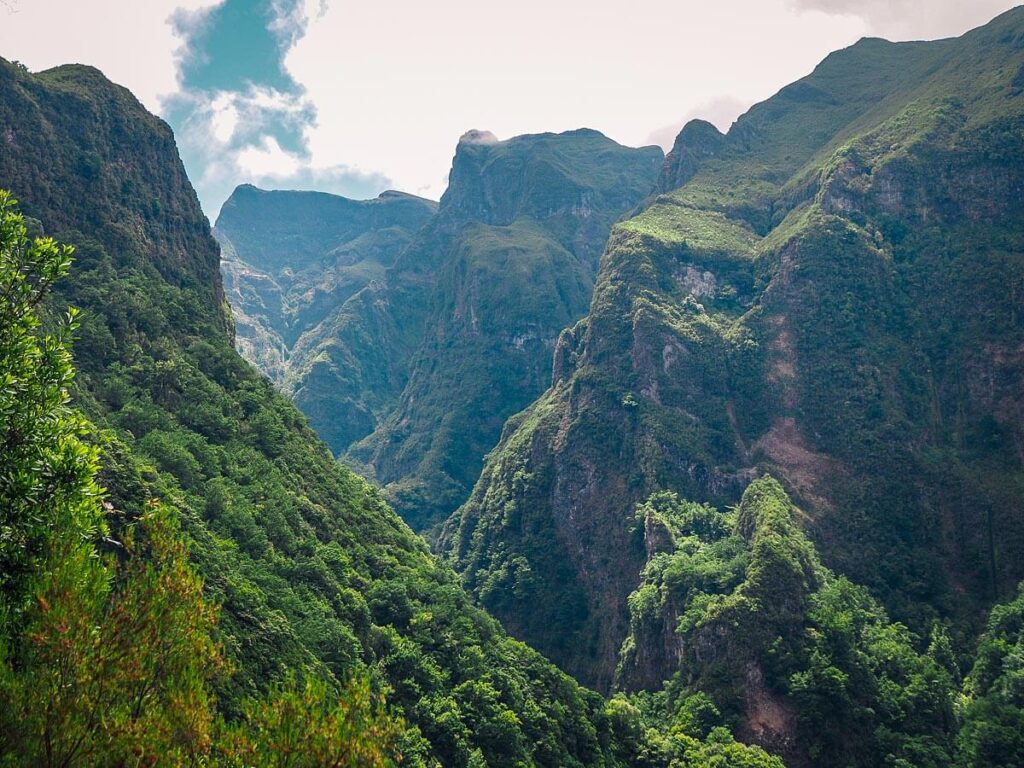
[267, 159]
[131, 41]
[223, 117]
[395, 83]
[913, 19]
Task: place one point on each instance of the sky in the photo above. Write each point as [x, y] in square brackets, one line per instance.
[358, 97]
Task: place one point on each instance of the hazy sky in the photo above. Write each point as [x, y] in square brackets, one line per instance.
[357, 97]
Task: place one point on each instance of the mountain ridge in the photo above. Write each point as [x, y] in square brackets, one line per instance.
[715, 348]
[484, 287]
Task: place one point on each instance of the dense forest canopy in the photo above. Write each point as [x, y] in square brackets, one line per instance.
[718, 455]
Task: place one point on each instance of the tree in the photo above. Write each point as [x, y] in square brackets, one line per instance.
[113, 665]
[307, 726]
[107, 648]
[46, 470]
[992, 707]
[105, 657]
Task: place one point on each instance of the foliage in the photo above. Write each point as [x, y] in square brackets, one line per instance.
[46, 475]
[113, 663]
[107, 646]
[309, 726]
[692, 738]
[992, 708]
[763, 628]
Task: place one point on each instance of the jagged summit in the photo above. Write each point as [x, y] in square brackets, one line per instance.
[698, 141]
[390, 194]
[474, 136]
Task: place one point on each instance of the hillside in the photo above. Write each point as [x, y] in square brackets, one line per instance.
[305, 254]
[411, 378]
[314, 573]
[749, 418]
[829, 292]
[798, 659]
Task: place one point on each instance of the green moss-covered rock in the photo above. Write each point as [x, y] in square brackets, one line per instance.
[831, 294]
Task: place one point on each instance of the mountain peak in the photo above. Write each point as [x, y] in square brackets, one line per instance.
[474, 136]
[697, 141]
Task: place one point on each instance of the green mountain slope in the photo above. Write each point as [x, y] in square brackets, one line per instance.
[831, 292]
[305, 254]
[797, 659]
[412, 377]
[313, 571]
[992, 709]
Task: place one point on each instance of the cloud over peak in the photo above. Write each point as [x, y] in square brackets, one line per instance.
[358, 96]
[911, 19]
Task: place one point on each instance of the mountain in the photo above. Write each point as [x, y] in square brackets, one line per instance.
[411, 378]
[518, 237]
[306, 253]
[829, 292]
[314, 574]
[769, 500]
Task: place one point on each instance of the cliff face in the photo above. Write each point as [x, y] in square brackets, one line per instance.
[292, 258]
[71, 123]
[830, 292]
[524, 223]
[410, 378]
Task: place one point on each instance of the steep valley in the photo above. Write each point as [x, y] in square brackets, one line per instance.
[311, 572]
[606, 459]
[410, 378]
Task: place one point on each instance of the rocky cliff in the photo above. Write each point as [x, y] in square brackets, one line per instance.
[830, 292]
[289, 259]
[525, 221]
[410, 378]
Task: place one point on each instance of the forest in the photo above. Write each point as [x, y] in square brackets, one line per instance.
[608, 458]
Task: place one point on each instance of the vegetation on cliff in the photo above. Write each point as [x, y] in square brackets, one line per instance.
[411, 378]
[791, 655]
[829, 292]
